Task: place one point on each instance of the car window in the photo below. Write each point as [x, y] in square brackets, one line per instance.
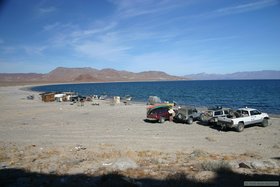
[226, 112]
[216, 113]
[255, 112]
[245, 113]
[209, 113]
[163, 110]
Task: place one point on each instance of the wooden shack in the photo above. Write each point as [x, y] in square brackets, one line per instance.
[48, 97]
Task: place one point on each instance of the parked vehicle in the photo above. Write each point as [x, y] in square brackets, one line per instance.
[242, 118]
[30, 97]
[103, 97]
[211, 115]
[75, 98]
[186, 114]
[159, 113]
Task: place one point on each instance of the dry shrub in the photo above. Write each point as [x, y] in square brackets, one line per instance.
[3, 156]
[136, 173]
[131, 154]
[226, 157]
[215, 166]
[251, 155]
[199, 153]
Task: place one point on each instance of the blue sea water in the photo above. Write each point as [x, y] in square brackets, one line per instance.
[261, 94]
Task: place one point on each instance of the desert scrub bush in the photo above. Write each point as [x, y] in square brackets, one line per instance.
[3, 156]
[215, 166]
[197, 154]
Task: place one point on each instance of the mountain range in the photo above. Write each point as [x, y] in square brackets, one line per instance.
[265, 74]
[67, 75]
[62, 74]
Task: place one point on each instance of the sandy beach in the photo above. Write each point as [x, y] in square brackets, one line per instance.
[62, 139]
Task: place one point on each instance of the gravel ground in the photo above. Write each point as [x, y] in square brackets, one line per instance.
[59, 138]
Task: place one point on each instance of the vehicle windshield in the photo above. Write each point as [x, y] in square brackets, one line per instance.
[209, 113]
[243, 112]
[255, 112]
[217, 113]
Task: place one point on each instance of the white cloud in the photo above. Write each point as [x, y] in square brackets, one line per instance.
[51, 26]
[128, 8]
[47, 10]
[96, 29]
[106, 51]
[34, 50]
[237, 9]
[246, 7]
[7, 49]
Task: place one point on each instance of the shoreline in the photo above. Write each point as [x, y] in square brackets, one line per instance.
[202, 108]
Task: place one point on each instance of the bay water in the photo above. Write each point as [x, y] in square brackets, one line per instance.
[260, 94]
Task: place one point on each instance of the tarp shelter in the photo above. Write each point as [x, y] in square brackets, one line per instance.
[48, 97]
[60, 97]
[153, 100]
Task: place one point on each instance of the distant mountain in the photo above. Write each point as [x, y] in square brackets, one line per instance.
[62, 74]
[20, 77]
[266, 74]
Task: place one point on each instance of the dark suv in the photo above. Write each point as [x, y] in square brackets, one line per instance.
[159, 113]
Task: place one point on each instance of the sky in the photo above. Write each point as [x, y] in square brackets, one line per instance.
[178, 37]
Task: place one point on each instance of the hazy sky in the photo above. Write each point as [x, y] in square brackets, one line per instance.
[176, 36]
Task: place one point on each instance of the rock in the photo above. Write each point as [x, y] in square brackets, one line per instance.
[270, 164]
[267, 164]
[3, 166]
[257, 164]
[243, 165]
[80, 147]
[210, 139]
[124, 164]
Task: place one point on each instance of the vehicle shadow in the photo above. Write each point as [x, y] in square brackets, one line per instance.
[203, 123]
[21, 177]
[218, 128]
[213, 126]
[150, 121]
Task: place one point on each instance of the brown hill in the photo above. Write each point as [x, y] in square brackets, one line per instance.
[62, 74]
[86, 78]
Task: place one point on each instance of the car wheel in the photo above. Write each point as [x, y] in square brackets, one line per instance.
[190, 120]
[180, 116]
[161, 120]
[240, 127]
[202, 117]
[265, 123]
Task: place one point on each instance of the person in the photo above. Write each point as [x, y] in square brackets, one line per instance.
[171, 114]
[82, 102]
